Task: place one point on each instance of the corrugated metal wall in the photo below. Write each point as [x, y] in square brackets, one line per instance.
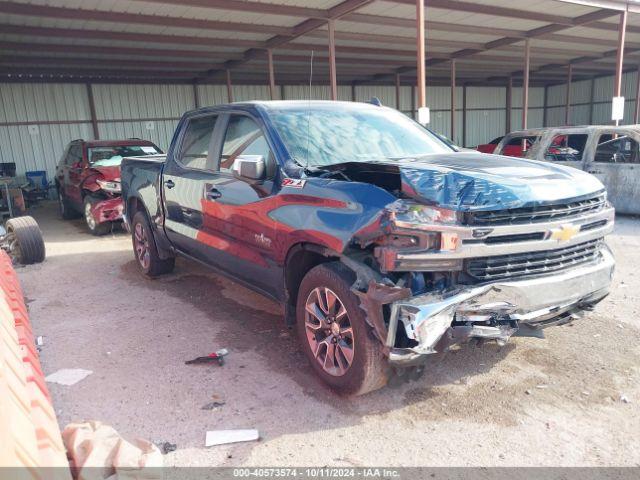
[582, 111]
[126, 111]
[38, 120]
[48, 116]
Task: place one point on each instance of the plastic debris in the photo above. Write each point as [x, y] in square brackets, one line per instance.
[221, 437]
[68, 376]
[624, 398]
[39, 341]
[217, 356]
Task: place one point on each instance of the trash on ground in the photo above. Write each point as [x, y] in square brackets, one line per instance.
[221, 437]
[97, 451]
[624, 398]
[217, 356]
[68, 376]
[39, 341]
[212, 405]
[166, 447]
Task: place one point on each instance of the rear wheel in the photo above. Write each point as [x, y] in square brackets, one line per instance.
[94, 227]
[334, 333]
[24, 239]
[66, 211]
[144, 248]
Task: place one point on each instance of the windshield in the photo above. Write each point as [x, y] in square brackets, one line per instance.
[326, 135]
[111, 156]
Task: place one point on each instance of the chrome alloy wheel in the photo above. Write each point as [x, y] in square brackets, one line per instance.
[141, 241]
[329, 331]
[88, 216]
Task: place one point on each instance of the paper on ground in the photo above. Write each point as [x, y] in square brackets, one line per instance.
[220, 437]
[68, 376]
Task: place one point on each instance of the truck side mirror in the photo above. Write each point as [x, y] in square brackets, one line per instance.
[252, 167]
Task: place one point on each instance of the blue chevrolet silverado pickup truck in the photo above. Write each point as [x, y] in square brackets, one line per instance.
[383, 243]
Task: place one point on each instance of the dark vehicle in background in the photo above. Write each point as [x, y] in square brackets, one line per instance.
[612, 154]
[88, 180]
[383, 243]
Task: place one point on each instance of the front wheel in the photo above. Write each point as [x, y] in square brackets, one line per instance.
[94, 227]
[334, 333]
[144, 248]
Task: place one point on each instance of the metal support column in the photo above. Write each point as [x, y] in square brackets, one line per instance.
[636, 114]
[92, 112]
[420, 58]
[397, 91]
[196, 97]
[567, 108]
[507, 127]
[453, 100]
[622, 30]
[272, 78]
[229, 89]
[332, 60]
[525, 82]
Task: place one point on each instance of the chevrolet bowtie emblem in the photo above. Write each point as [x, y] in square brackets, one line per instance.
[564, 233]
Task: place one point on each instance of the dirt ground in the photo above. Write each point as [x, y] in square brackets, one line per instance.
[555, 401]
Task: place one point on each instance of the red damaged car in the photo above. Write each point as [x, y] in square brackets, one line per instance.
[88, 179]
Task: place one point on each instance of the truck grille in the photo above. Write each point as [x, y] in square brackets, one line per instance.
[542, 213]
[533, 263]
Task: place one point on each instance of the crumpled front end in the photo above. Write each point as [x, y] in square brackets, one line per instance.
[498, 310]
[453, 276]
[109, 210]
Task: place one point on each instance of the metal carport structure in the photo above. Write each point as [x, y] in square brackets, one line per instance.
[551, 62]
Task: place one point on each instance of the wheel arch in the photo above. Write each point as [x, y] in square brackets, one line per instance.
[135, 204]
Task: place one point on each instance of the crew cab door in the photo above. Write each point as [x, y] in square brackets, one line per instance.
[616, 163]
[187, 170]
[237, 228]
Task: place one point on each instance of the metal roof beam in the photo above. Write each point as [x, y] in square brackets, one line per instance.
[507, 41]
[334, 13]
[13, 8]
[248, 6]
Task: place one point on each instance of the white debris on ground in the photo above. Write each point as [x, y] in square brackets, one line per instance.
[68, 376]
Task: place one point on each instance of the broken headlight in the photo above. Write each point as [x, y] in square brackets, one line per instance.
[410, 212]
[109, 186]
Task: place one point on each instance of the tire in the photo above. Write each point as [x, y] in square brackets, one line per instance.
[28, 245]
[145, 250]
[368, 369]
[66, 210]
[95, 228]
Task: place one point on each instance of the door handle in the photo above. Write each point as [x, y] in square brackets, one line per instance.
[213, 193]
[169, 183]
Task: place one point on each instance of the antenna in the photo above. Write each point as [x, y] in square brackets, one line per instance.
[309, 112]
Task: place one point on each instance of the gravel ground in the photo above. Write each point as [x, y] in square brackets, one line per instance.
[555, 401]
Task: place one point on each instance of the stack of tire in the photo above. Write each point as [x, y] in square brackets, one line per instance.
[29, 434]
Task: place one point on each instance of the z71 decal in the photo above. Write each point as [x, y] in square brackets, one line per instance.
[293, 183]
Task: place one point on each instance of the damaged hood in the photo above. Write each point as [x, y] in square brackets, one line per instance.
[108, 173]
[466, 181]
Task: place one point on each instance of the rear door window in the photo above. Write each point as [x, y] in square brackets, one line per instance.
[74, 156]
[566, 148]
[622, 149]
[194, 150]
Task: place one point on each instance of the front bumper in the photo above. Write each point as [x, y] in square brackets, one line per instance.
[109, 210]
[498, 309]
